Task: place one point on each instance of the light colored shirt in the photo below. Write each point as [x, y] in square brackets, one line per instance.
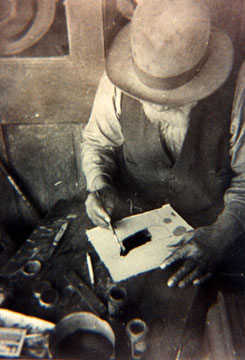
[102, 136]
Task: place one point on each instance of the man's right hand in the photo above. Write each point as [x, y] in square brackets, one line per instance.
[100, 205]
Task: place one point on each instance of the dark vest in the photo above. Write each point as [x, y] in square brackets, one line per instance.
[195, 184]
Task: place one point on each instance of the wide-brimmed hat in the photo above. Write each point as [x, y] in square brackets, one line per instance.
[169, 53]
[226, 14]
[126, 7]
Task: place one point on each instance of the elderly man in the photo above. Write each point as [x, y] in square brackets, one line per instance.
[161, 130]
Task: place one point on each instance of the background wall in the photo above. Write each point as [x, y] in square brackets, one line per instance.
[46, 97]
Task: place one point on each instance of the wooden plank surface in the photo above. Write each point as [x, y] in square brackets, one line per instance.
[164, 310]
[46, 161]
[178, 319]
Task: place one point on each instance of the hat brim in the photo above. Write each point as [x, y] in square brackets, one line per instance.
[213, 74]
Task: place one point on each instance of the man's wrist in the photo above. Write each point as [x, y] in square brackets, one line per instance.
[228, 226]
[101, 181]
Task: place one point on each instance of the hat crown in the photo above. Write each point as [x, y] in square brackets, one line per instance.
[169, 37]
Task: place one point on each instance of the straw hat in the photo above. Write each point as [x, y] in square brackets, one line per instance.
[169, 53]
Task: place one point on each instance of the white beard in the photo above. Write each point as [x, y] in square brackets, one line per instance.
[173, 124]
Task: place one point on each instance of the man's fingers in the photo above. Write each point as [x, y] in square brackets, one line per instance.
[99, 222]
[102, 215]
[108, 199]
[181, 273]
[196, 278]
[187, 236]
[177, 255]
[100, 218]
[196, 273]
[179, 243]
[109, 208]
[96, 212]
[200, 280]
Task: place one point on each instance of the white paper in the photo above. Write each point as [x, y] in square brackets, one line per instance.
[11, 341]
[165, 226]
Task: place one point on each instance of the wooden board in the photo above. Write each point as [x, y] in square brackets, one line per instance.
[46, 162]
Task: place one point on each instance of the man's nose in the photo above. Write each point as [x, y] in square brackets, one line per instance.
[160, 108]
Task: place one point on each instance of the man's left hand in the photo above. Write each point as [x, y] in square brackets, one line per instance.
[199, 253]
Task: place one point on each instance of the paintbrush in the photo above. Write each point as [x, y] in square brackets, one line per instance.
[111, 227]
[121, 246]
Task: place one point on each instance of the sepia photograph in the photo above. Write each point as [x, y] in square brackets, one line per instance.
[122, 179]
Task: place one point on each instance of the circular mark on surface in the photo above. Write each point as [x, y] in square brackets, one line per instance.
[167, 220]
[179, 230]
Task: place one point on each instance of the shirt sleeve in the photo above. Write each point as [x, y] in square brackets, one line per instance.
[235, 194]
[102, 136]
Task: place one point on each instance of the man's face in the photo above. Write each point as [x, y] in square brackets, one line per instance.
[158, 107]
[161, 108]
[175, 115]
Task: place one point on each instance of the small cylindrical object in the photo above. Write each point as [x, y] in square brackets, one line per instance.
[117, 298]
[46, 295]
[39, 287]
[48, 298]
[82, 335]
[90, 269]
[136, 330]
[31, 267]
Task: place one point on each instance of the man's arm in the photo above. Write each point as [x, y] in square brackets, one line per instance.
[235, 195]
[102, 135]
[101, 138]
[202, 249]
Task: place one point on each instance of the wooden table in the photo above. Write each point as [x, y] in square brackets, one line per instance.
[176, 317]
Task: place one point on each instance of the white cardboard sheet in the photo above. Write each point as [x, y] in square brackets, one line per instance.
[165, 226]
